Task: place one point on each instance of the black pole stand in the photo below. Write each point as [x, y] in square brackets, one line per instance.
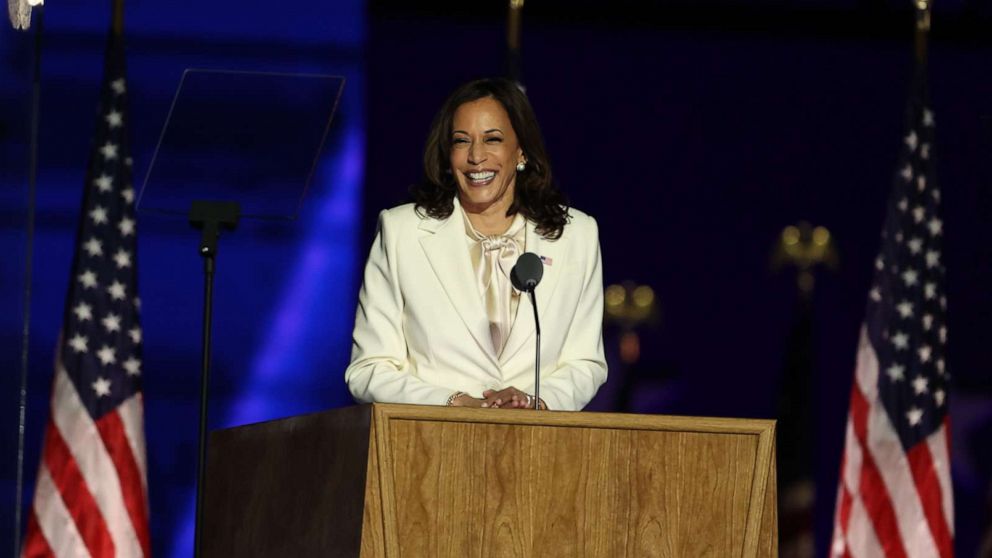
[208, 217]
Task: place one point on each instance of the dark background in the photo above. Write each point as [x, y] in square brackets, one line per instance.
[694, 132]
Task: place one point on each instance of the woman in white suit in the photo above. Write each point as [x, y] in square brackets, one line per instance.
[438, 321]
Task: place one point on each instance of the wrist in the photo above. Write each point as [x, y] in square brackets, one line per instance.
[453, 399]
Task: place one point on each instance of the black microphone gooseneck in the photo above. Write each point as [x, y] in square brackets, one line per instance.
[525, 276]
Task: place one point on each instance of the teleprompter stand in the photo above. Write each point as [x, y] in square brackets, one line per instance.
[209, 217]
[254, 141]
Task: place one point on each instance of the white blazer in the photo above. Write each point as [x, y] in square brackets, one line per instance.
[421, 331]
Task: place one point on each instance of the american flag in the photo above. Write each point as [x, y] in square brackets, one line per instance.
[894, 497]
[91, 494]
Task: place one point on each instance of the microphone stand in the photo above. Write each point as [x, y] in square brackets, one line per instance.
[537, 352]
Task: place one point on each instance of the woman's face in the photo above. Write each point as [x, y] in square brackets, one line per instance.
[484, 155]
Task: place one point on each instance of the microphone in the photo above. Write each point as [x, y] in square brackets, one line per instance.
[525, 276]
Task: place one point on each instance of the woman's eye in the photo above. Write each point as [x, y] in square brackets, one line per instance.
[459, 140]
[494, 140]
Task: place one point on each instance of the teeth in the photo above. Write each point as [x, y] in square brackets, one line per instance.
[481, 175]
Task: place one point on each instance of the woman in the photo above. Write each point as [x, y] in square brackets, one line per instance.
[438, 321]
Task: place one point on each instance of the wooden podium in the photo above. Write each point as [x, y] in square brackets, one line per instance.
[414, 481]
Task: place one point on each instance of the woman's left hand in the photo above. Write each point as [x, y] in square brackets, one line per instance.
[508, 398]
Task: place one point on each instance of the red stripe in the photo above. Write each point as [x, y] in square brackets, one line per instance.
[115, 439]
[35, 545]
[928, 487]
[871, 487]
[846, 501]
[76, 495]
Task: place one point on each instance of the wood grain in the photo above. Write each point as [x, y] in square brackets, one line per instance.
[410, 481]
[511, 483]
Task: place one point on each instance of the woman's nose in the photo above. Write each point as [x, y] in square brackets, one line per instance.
[476, 153]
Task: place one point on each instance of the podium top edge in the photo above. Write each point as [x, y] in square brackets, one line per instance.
[573, 419]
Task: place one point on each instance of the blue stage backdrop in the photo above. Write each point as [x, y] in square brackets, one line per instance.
[285, 293]
[692, 137]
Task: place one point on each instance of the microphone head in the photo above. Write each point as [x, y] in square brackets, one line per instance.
[527, 272]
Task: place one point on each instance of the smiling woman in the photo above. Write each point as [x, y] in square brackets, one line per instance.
[438, 321]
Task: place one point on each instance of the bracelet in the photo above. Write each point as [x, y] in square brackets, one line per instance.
[452, 397]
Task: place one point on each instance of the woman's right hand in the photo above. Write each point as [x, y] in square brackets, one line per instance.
[466, 400]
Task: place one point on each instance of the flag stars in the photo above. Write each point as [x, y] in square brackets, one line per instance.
[879, 263]
[93, 247]
[117, 290]
[925, 353]
[135, 334]
[83, 312]
[939, 397]
[78, 343]
[925, 151]
[942, 332]
[915, 244]
[128, 194]
[912, 140]
[122, 258]
[875, 294]
[910, 277]
[109, 151]
[900, 341]
[99, 215]
[920, 385]
[118, 86]
[112, 322]
[927, 322]
[88, 279]
[936, 226]
[114, 119]
[107, 355]
[104, 182]
[905, 308]
[927, 118]
[907, 175]
[930, 291]
[896, 372]
[921, 183]
[933, 258]
[126, 226]
[137, 303]
[935, 194]
[914, 416]
[102, 387]
[918, 214]
[940, 366]
[132, 366]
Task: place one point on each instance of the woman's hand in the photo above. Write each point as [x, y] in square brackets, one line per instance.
[466, 400]
[509, 398]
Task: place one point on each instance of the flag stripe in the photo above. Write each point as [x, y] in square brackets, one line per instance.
[35, 545]
[922, 466]
[871, 487]
[861, 536]
[132, 417]
[115, 440]
[942, 466]
[94, 463]
[75, 494]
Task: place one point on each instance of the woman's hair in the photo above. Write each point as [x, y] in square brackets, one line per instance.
[535, 197]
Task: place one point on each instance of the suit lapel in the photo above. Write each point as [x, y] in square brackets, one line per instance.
[523, 324]
[448, 254]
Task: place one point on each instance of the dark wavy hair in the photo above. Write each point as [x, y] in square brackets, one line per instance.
[535, 197]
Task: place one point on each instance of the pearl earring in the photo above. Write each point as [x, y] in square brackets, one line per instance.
[521, 166]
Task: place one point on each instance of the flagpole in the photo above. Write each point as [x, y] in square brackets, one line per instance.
[922, 29]
[28, 266]
[513, 25]
[117, 17]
